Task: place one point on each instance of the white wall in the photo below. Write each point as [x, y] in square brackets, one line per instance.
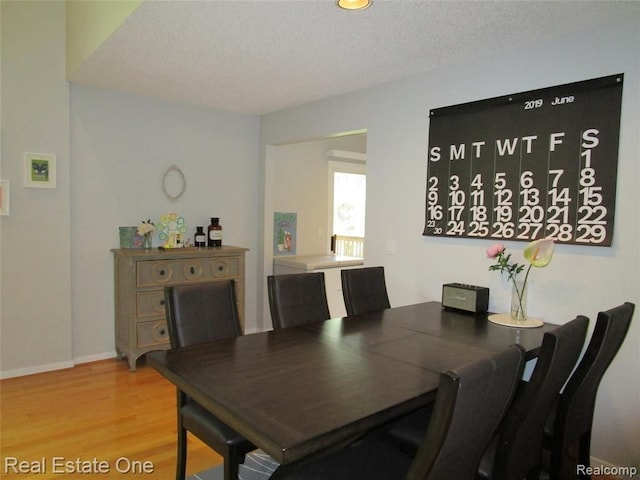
[35, 265]
[580, 280]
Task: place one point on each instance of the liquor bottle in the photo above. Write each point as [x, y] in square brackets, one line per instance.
[200, 238]
[214, 233]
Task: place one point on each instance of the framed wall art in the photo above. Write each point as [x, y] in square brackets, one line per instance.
[4, 197]
[40, 170]
[285, 225]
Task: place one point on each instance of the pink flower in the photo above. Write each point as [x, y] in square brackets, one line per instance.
[494, 250]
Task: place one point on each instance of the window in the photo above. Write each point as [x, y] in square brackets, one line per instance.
[347, 188]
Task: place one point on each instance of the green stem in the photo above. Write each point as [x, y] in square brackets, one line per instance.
[520, 293]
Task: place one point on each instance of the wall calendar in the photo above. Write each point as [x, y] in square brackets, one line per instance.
[531, 165]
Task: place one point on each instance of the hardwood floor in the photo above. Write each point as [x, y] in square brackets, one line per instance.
[95, 412]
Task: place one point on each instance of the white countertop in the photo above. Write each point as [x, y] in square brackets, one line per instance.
[312, 262]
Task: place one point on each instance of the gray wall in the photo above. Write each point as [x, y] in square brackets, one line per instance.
[112, 151]
[35, 254]
[580, 280]
[121, 146]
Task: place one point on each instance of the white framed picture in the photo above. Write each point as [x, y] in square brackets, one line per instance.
[40, 170]
[4, 197]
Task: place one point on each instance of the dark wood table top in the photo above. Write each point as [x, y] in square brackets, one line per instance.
[296, 391]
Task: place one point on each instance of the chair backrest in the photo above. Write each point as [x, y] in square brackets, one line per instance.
[296, 299]
[364, 290]
[520, 437]
[201, 312]
[470, 403]
[574, 416]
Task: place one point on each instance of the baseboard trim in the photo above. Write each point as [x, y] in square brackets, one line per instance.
[50, 367]
[94, 358]
[20, 372]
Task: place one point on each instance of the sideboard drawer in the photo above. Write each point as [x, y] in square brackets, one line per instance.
[150, 303]
[152, 333]
[226, 267]
[152, 273]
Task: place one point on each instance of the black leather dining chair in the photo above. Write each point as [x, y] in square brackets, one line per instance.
[296, 299]
[568, 430]
[516, 450]
[364, 290]
[469, 405]
[198, 313]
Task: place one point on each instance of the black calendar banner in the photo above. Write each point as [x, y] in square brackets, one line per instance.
[526, 166]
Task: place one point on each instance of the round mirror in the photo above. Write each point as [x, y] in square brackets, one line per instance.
[173, 183]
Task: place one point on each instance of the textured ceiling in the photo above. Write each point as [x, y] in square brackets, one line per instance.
[262, 56]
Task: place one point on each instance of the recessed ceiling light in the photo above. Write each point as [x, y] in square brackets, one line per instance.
[353, 4]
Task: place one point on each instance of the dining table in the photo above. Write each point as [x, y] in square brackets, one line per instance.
[298, 391]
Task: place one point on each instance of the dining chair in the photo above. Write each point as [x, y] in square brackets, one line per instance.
[516, 450]
[469, 405]
[297, 298]
[364, 290]
[568, 428]
[198, 313]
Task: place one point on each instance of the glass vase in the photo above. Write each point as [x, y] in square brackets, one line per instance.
[146, 242]
[519, 301]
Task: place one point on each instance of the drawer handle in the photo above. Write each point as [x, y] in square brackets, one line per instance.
[162, 272]
[162, 302]
[193, 270]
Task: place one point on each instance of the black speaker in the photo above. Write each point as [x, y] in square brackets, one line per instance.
[465, 297]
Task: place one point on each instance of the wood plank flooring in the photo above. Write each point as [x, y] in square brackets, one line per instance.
[95, 412]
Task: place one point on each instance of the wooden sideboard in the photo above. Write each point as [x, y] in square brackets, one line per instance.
[140, 277]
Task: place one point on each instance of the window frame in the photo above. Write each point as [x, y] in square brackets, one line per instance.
[338, 166]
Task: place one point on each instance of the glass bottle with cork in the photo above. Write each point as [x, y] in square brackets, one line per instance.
[214, 233]
[200, 238]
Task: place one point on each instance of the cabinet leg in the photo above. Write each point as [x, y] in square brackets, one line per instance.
[131, 360]
[132, 364]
